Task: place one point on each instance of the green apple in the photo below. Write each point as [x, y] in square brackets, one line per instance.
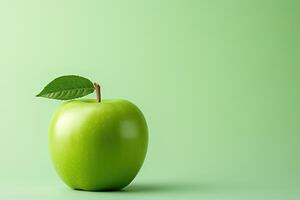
[94, 144]
[98, 145]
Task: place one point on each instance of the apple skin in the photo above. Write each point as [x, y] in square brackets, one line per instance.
[98, 145]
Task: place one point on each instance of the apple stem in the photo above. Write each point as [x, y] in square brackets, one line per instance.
[98, 94]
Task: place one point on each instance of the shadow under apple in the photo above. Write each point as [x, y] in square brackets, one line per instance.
[163, 187]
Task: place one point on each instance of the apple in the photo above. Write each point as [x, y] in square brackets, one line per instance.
[94, 144]
[98, 145]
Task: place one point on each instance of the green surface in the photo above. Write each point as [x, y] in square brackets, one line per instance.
[218, 82]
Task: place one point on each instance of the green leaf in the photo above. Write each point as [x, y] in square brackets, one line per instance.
[67, 87]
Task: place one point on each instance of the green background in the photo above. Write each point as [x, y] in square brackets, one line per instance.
[218, 82]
